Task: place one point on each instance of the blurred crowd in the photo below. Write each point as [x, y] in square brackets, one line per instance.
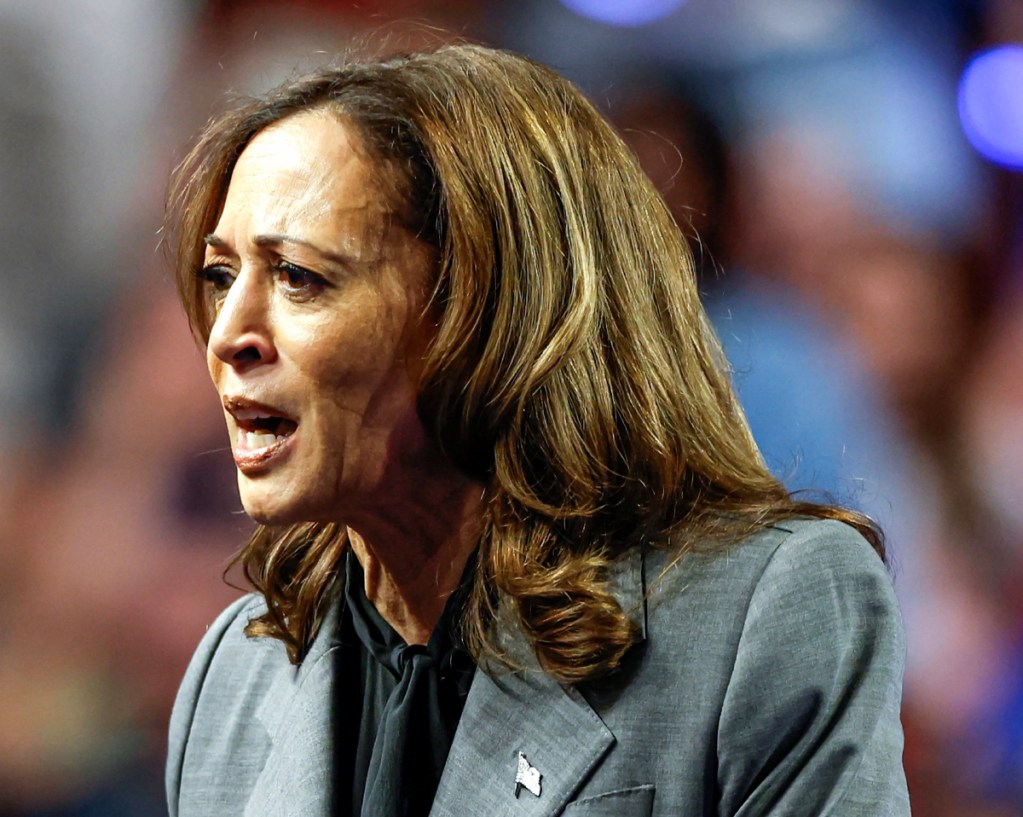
[862, 263]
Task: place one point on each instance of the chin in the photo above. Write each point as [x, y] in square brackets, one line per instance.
[269, 510]
[263, 515]
[268, 507]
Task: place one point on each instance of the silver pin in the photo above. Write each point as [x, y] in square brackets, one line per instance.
[527, 776]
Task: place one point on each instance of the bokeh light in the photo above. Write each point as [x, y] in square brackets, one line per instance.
[623, 12]
[991, 104]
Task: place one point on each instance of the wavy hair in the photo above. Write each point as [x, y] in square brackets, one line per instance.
[573, 373]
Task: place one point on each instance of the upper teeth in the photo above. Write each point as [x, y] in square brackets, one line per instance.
[259, 439]
[250, 414]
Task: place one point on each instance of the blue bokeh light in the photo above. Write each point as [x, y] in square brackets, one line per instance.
[623, 12]
[991, 104]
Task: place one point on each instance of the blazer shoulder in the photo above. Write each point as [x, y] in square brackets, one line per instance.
[798, 548]
[812, 572]
[802, 533]
[225, 634]
[802, 538]
[814, 554]
[808, 569]
[811, 712]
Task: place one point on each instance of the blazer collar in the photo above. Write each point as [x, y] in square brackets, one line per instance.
[506, 713]
[526, 712]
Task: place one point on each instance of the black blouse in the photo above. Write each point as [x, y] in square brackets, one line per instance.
[393, 741]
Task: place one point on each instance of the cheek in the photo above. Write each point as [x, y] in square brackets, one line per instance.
[353, 350]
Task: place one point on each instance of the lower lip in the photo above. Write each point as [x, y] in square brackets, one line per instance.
[261, 460]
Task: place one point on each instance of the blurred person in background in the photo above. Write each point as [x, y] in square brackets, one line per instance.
[992, 438]
[502, 481]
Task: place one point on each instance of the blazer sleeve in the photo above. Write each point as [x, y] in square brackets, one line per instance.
[188, 695]
[810, 720]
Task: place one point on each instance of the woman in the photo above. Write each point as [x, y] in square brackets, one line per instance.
[517, 553]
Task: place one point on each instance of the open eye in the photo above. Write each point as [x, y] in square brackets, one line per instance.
[218, 278]
[298, 280]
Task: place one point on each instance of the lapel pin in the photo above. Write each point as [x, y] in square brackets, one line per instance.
[527, 776]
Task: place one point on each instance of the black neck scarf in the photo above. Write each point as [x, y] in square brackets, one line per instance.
[391, 754]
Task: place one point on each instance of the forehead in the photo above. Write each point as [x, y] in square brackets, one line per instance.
[293, 143]
[310, 167]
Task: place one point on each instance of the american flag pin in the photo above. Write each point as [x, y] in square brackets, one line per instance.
[527, 776]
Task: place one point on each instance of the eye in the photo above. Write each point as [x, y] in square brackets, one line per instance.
[217, 277]
[298, 280]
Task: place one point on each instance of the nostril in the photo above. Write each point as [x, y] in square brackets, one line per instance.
[249, 354]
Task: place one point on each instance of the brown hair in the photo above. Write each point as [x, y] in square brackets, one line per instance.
[573, 373]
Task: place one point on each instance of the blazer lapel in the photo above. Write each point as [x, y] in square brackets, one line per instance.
[554, 727]
[557, 731]
[297, 778]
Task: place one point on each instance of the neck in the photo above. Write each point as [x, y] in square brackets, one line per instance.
[414, 556]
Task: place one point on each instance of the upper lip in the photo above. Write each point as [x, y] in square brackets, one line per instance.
[242, 408]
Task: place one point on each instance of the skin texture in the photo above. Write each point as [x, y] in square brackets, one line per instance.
[320, 294]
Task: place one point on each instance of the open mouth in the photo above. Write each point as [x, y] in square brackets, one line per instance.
[261, 432]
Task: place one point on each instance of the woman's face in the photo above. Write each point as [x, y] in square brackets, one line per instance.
[317, 340]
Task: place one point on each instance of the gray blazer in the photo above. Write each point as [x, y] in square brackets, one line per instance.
[767, 681]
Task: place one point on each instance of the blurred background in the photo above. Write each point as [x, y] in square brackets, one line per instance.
[849, 171]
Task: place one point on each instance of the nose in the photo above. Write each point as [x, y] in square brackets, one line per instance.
[241, 335]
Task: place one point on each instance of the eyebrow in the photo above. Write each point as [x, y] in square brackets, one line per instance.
[276, 240]
[215, 241]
